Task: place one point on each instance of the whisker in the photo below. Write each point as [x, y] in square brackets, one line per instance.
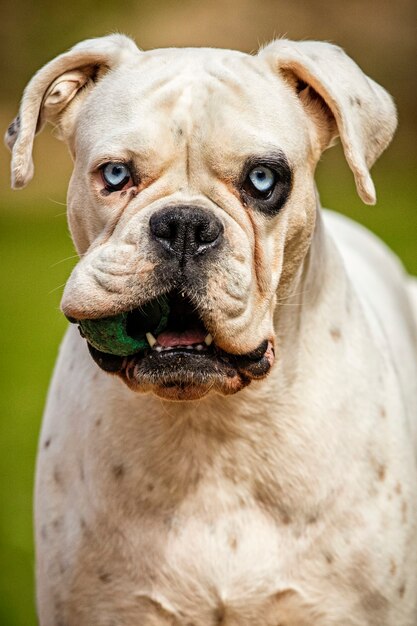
[293, 295]
[57, 202]
[68, 258]
[56, 288]
[164, 409]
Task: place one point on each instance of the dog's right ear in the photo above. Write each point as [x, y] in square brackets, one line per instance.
[55, 92]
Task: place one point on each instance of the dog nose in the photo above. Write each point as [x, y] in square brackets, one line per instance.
[186, 231]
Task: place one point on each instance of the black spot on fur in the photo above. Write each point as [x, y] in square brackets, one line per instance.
[118, 470]
[57, 476]
[329, 558]
[14, 127]
[58, 522]
[219, 615]
[355, 101]
[105, 577]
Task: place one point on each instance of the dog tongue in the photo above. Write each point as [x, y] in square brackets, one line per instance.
[171, 338]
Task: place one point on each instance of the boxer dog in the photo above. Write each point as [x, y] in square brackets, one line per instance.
[255, 463]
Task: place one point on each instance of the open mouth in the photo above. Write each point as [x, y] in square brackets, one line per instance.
[184, 328]
[165, 347]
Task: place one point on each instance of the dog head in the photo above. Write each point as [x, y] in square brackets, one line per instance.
[194, 181]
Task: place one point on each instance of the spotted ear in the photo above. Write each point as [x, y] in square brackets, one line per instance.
[55, 92]
[362, 112]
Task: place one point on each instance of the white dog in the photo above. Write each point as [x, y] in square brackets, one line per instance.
[280, 487]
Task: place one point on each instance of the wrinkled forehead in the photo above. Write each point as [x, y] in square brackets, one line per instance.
[215, 99]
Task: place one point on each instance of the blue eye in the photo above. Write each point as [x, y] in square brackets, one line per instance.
[262, 179]
[266, 182]
[115, 175]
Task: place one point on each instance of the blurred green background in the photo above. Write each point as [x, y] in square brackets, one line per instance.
[37, 254]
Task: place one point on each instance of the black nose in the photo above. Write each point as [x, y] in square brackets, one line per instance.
[186, 232]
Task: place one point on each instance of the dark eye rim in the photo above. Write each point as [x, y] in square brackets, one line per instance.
[108, 186]
[273, 199]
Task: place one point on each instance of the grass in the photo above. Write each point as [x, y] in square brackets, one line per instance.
[33, 238]
[31, 326]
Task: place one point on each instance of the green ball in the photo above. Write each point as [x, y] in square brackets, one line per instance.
[124, 334]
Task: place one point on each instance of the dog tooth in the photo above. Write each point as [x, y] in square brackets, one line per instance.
[199, 347]
[158, 348]
[151, 339]
[208, 340]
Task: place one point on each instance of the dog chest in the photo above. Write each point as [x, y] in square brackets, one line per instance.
[215, 562]
[236, 570]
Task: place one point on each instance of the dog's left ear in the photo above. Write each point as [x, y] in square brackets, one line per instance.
[55, 92]
[360, 110]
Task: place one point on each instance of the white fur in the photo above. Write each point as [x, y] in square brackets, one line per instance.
[293, 501]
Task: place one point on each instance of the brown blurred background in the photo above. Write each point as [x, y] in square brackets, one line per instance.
[37, 254]
[379, 34]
